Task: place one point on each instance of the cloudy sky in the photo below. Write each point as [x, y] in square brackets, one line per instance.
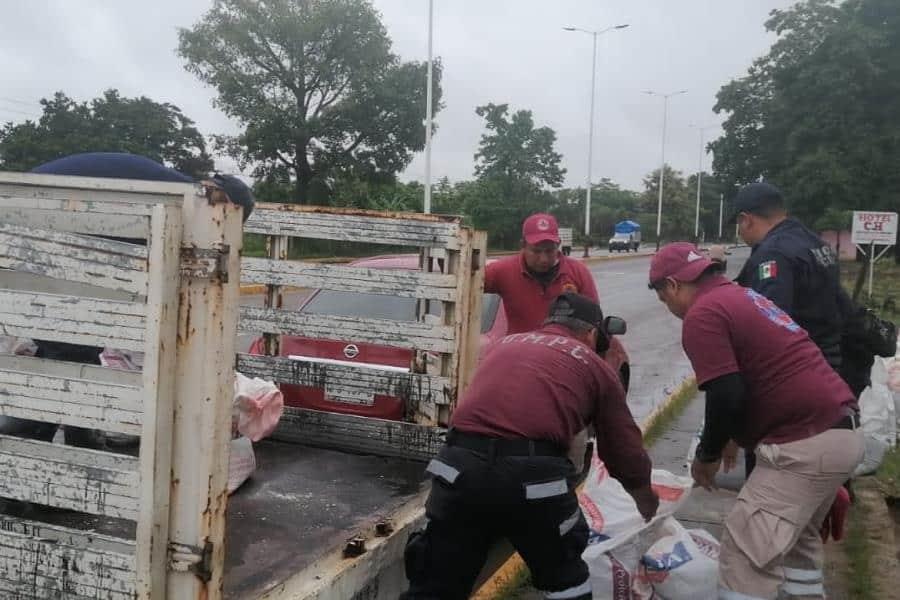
[512, 51]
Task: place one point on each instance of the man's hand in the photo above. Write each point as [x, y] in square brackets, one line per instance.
[729, 456]
[704, 473]
[647, 502]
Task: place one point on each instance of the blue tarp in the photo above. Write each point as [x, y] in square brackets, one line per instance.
[627, 227]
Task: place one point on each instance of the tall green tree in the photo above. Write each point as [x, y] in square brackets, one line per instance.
[110, 123]
[514, 149]
[515, 163]
[817, 115]
[678, 206]
[315, 86]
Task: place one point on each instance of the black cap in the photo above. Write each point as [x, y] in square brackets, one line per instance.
[756, 198]
[238, 191]
[575, 306]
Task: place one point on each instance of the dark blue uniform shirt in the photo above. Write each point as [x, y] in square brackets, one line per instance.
[799, 272]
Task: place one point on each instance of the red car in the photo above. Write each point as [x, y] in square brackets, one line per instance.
[377, 306]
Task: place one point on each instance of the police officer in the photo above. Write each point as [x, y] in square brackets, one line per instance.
[123, 166]
[791, 266]
[767, 387]
[503, 472]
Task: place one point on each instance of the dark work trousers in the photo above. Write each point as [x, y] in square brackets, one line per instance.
[476, 500]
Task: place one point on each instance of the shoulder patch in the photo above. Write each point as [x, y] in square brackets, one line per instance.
[569, 287]
[768, 270]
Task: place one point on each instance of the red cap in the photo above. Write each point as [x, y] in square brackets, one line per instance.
[540, 227]
[681, 261]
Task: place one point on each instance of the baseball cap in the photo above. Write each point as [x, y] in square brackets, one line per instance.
[754, 198]
[540, 227]
[682, 261]
[575, 306]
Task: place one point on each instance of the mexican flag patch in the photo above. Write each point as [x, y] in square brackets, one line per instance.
[768, 269]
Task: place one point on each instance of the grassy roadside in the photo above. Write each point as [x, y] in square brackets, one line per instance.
[661, 422]
[885, 286]
[859, 557]
[871, 541]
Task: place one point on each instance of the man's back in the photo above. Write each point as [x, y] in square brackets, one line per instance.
[537, 385]
[792, 391]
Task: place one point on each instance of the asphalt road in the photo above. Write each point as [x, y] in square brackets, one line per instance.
[653, 341]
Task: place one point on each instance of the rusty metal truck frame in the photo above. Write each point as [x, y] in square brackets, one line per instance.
[176, 299]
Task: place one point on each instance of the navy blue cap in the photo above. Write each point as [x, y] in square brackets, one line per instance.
[756, 198]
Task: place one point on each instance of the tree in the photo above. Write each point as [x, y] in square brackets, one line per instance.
[514, 163]
[314, 84]
[110, 123]
[815, 114]
[678, 208]
[609, 205]
[513, 149]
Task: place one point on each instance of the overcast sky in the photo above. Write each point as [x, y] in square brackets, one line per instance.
[512, 51]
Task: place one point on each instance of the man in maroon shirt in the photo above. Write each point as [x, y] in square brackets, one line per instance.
[503, 472]
[767, 386]
[530, 281]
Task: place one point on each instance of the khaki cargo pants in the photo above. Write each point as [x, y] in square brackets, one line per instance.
[771, 546]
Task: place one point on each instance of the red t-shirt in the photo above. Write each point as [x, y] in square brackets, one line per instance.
[525, 299]
[546, 385]
[792, 392]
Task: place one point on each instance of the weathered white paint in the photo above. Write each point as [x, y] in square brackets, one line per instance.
[359, 434]
[158, 399]
[67, 477]
[90, 260]
[354, 226]
[417, 390]
[204, 375]
[116, 225]
[93, 192]
[39, 561]
[88, 321]
[399, 334]
[392, 282]
[57, 398]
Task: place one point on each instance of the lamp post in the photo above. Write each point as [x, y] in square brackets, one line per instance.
[662, 166]
[429, 101]
[587, 200]
[699, 177]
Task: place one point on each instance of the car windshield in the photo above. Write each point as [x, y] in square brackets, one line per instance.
[378, 306]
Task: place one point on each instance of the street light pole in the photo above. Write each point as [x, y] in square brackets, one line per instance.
[721, 206]
[587, 198]
[590, 184]
[699, 180]
[662, 166]
[429, 101]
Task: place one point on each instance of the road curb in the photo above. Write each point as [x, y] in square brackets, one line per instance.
[510, 570]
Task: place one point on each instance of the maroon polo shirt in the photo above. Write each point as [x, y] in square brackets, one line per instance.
[792, 392]
[525, 299]
[546, 385]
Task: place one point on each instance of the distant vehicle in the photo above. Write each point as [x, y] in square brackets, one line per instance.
[627, 237]
[355, 304]
[565, 240]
